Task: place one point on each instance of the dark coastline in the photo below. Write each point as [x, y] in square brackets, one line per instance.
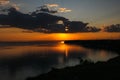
[100, 71]
[109, 70]
[110, 45]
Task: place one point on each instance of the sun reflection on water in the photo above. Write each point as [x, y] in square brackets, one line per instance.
[64, 48]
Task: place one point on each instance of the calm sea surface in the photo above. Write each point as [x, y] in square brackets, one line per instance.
[21, 60]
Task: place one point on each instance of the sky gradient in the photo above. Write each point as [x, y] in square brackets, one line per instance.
[96, 12]
[16, 34]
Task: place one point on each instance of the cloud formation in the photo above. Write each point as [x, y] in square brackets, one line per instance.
[53, 8]
[64, 10]
[112, 28]
[52, 5]
[42, 21]
[15, 6]
[4, 2]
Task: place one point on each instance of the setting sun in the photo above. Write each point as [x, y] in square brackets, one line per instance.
[62, 42]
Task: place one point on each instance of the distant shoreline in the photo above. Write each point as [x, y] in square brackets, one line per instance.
[58, 40]
[111, 45]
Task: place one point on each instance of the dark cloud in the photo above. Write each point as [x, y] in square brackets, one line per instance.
[78, 26]
[43, 21]
[47, 9]
[28, 21]
[112, 28]
[93, 29]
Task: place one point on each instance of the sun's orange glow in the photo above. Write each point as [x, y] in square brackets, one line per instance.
[62, 47]
[62, 42]
[65, 49]
[62, 36]
[15, 34]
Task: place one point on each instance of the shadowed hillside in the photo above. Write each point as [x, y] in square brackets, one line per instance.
[100, 71]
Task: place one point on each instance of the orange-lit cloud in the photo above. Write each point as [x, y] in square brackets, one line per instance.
[64, 10]
[15, 6]
[4, 2]
[58, 8]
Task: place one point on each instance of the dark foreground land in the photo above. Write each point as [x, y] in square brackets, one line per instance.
[109, 70]
[100, 71]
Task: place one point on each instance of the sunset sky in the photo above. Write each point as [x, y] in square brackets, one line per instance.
[97, 13]
[15, 34]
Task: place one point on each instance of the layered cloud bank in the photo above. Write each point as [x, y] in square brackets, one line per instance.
[112, 28]
[43, 19]
[5, 4]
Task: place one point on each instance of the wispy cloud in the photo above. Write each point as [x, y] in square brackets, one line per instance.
[55, 7]
[64, 10]
[52, 5]
[4, 2]
[15, 6]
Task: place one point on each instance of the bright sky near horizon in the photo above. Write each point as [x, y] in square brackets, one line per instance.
[16, 34]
